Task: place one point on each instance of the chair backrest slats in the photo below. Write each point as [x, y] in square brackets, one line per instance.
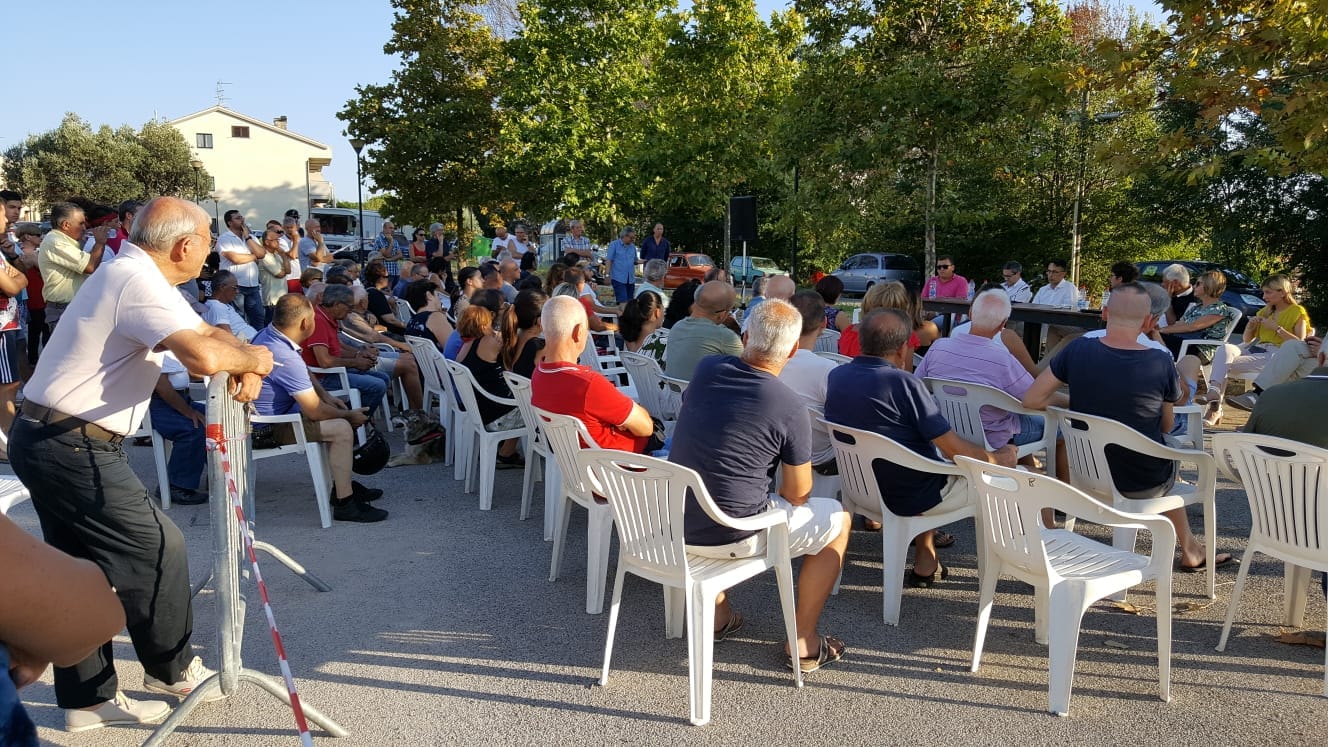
[647, 496]
[1286, 483]
[644, 372]
[565, 435]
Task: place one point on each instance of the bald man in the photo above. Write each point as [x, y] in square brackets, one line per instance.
[66, 448]
[703, 333]
[313, 250]
[1116, 376]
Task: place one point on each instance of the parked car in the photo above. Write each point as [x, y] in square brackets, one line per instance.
[861, 271]
[1242, 291]
[684, 266]
[756, 267]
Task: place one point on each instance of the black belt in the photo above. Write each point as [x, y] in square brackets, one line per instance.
[53, 418]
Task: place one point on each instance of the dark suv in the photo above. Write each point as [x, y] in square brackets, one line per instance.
[861, 271]
[1242, 292]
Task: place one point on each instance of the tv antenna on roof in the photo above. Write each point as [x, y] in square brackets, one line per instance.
[221, 93]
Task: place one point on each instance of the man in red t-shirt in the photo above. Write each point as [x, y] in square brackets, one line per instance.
[561, 386]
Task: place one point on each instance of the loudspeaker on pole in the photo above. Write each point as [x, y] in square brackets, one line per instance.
[742, 218]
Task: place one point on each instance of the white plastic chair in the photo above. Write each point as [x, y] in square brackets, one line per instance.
[481, 443]
[855, 450]
[342, 390]
[646, 376]
[607, 363]
[160, 452]
[828, 342]
[404, 312]
[12, 492]
[1068, 572]
[647, 496]
[961, 403]
[1187, 345]
[836, 357]
[566, 436]
[536, 447]
[315, 453]
[1086, 439]
[437, 385]
[1286, 483]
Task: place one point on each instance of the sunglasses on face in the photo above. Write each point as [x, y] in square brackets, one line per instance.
[944, 267]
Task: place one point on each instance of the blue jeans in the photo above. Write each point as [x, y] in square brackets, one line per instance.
[185, 467]
[1031, 428]
[623, 292]
[372, 385]
[253, 305]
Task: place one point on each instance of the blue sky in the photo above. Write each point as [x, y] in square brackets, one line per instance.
[163, 59]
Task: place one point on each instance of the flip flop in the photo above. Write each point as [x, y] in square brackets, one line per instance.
[829, 650]
[1203, 565]
[732, 626]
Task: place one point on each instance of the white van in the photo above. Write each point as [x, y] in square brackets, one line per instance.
[341, 227]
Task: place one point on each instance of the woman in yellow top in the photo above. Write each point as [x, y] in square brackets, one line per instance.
[1281, 320]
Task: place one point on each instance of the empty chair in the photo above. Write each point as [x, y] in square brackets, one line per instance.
[1286, 483]
[1086, 440]
[535, 448]
[961, 403]
[1068, 572]
[566, 438]
[646, 496]
[481, 444]
[855, 450]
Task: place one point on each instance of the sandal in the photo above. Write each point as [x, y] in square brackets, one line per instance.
[732, 626]
[918, 581]
[939, 539]
[829, 650]
[1213, 416]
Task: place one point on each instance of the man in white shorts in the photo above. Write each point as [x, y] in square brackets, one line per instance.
[737, 420]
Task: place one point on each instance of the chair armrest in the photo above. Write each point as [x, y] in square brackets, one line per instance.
[1163, 551]
[764, 520]
[291, 417]
[337, 370]
[479, 390]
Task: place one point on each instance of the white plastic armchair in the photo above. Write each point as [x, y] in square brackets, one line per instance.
[855, 451]
[437, 386]
[607, 363]
[13, 493]
[343, 389]
[646, 376]
[536, 448]
[961, 403]
[404, 311]
[1086, 439]
[315, 453]
[832, 356]
[480, 444]
[647, 498]
[1286, 483]
[566, 437]
[1187, 345]
[1068, 572]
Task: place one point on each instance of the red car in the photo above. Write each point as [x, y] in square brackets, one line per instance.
[684, 266]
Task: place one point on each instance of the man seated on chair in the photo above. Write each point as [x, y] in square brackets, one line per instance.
[324, 350]
[978, 357]
[1116, 376]
[562, 386]
[181, 421]
[703, 332]
[221, 312]
[289, 388]
[874, 393]
[739, 422]
[1295, 409]
[807, 374]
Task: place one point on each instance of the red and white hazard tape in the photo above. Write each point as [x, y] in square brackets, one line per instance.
[216, 441]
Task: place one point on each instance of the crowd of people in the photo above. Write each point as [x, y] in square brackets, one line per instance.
[276, 310]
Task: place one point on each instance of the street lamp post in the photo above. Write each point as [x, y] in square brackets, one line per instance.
[358, 145]
[1076, 236]
[198, 179]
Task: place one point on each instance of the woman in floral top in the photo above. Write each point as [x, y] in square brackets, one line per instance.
[1209, 319]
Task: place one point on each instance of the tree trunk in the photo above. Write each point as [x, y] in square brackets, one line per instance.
[929, 241]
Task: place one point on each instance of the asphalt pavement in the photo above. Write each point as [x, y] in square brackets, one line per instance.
[443, 628]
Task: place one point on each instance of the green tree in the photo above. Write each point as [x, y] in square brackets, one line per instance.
[431, 129]
[106, 165]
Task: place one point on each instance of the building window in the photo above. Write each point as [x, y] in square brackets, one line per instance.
[203, 139]
[239, 131]
[212, 184]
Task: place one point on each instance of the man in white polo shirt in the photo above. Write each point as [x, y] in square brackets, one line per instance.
[88, 392]
[240, 252]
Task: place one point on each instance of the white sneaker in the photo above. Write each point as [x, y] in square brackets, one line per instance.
[192, 677]
[122, 710]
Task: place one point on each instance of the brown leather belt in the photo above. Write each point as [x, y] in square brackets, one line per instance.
[52, 418]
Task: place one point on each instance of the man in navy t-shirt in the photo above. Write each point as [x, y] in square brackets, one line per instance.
[1117, 377]
[739, 422]
[874, 393]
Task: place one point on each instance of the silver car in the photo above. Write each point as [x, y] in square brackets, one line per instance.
[861, 271]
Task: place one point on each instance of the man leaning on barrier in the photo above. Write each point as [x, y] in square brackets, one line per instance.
[89, 391]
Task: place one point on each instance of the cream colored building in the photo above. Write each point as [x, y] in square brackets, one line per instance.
[258, 168]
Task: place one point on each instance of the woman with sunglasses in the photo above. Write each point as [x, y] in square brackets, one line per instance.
[419, 253]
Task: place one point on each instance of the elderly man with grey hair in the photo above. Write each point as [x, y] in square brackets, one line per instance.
[1176, 281]
[737, 420]
[653, 273]
[88, 392]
